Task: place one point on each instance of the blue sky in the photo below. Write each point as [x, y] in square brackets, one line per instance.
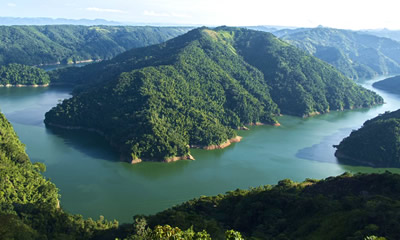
[349, 14]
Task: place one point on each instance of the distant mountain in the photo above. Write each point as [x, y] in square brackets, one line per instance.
[36, 45]
[392, 34]
[8, 21]
[389, 84]
[376, 143]
[268, 28]
[154, 103]
[355, 54]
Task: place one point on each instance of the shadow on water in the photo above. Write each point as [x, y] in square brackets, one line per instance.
[324, 151]
[31, 117]
[88, 143]
[158, 170]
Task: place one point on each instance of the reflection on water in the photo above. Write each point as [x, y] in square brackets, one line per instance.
[93, 182]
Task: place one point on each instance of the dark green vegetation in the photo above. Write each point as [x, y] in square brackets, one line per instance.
[376, 143]
[195, 89]
[35, 45]
[17, 74]
[343, 207]
[389, 84]
[357, 55]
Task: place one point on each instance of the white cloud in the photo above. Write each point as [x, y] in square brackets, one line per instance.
[11, 4]
[164, 14]
[95, 9]
[155, 14]
[180, 15]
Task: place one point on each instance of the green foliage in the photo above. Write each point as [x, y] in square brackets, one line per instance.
[343, 207]
[376, 143]
[166, 232]
[35, 45]
[356, 55]
[17, 74]
[29, 206]
[194, 90]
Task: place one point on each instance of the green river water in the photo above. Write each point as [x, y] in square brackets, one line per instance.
[93, 182]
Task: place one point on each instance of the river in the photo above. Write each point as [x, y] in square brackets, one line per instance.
[93, 182]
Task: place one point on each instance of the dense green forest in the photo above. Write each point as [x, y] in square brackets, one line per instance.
[376, 143]
[194, 90]
[29, 206]
[389, 84]
[357, 55]
[344, 207]
[51, 44]
[17, 74]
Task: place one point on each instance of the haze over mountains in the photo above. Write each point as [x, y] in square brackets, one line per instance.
[357, 55]
[9, 21]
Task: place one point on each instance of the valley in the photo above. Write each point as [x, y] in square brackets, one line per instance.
[90, 174]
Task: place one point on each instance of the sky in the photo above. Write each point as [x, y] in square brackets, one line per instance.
[346, 14]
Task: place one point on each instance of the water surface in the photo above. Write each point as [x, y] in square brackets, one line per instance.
[93, 182]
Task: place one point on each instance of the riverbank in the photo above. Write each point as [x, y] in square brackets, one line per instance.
[23, 85]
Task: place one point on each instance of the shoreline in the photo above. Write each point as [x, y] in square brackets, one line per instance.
[355, 161]
[220, 146]
[24, 85]
[139, 160]
[69, 63]
[166, 160]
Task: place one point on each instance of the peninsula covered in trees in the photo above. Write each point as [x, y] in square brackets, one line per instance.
[376, 143]
[21, 75]
[195, 90]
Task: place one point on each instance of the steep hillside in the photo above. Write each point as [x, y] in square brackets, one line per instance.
[355, 54]
[35, 45]
[194, 90]
[376, 143]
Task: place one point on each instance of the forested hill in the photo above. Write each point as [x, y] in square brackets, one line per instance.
[35, 45]
[344, 207]
[389, 84]
[154, 103]
[355, 54]
[376, 143]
